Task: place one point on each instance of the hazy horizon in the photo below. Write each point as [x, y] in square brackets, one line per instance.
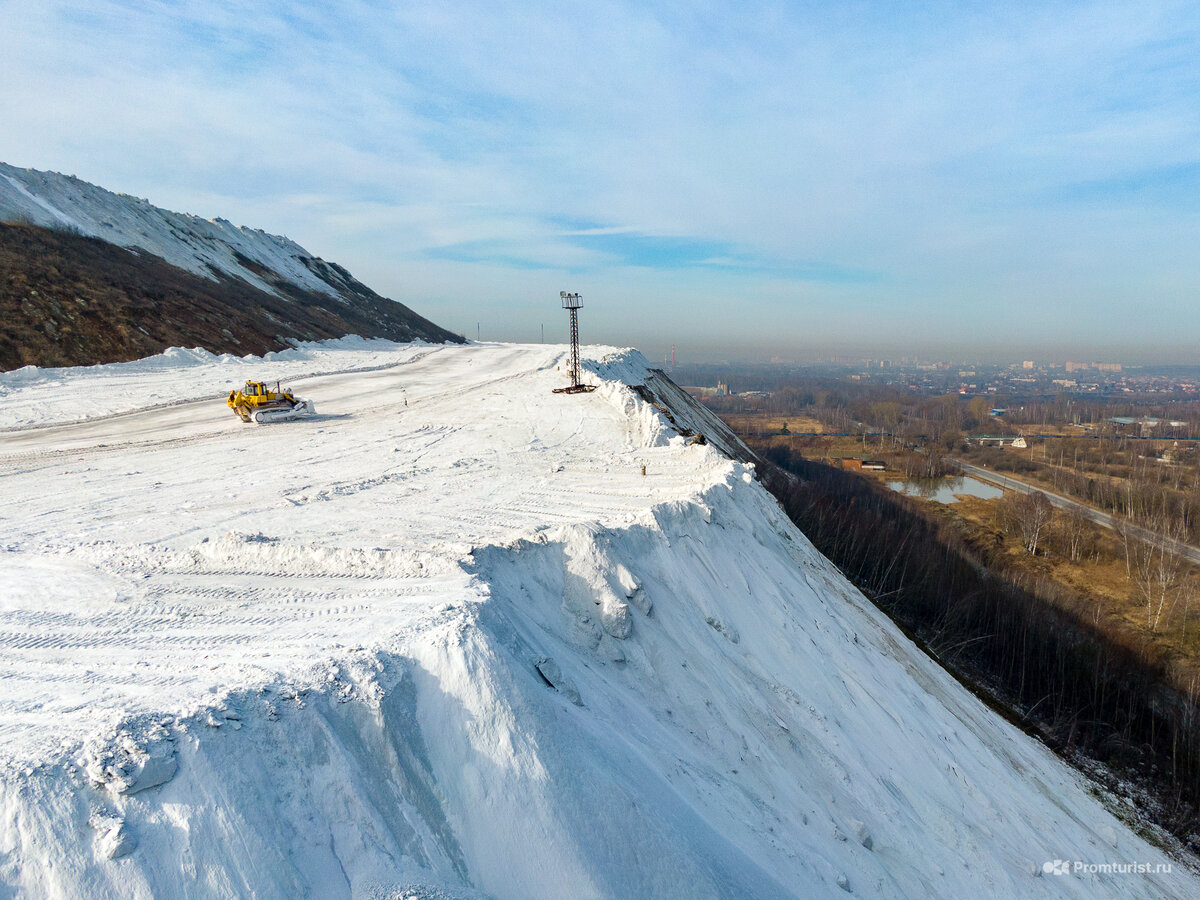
[769, 353]
[984, 183]
[981, 354]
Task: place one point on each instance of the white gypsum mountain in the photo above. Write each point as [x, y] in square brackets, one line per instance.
[91, 276]
[202, 246]
[445, 639]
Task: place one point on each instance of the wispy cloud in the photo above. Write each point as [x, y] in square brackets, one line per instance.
[835, 169]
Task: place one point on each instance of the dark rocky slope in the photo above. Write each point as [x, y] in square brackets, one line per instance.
[68, 300]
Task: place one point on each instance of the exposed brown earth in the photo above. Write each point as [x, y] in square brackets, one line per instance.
[69, 300]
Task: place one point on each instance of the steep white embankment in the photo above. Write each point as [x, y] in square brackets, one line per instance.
[197, 245]
[451, 642]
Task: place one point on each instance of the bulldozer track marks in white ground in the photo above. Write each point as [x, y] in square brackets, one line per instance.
[447, 632]
[255, 548]
[46, 396]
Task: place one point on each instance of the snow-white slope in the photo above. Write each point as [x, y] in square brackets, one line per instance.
[198, 245]
[32, 396]
[445, 639]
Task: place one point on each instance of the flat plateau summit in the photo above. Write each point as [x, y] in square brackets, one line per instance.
[445, 639]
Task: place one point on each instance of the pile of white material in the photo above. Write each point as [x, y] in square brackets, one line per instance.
[198, 245]
[33, 396]
[453, 643]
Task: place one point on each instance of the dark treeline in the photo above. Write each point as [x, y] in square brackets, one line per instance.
[1139, 499]
[1108, 468]
[928, 411]
[748, 377]
[1067, 408]
[1116, 475]
[843, 406]
[1023, 639]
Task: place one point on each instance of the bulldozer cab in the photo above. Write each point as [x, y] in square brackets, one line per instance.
[258, 403]
[260, 389]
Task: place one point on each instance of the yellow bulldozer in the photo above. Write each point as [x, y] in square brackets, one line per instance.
[259, 404]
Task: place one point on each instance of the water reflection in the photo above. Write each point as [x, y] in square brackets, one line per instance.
[943, 489]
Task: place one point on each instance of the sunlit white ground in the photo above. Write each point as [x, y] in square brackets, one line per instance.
[157, 556]
[446, 639]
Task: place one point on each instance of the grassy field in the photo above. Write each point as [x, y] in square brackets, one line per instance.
[1097, 587]
[766, 423]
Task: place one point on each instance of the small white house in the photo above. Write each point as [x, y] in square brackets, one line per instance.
[1019, 443]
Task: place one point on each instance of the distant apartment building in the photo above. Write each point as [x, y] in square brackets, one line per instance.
[1027, 364]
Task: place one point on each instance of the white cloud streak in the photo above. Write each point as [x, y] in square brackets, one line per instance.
[1028, 170]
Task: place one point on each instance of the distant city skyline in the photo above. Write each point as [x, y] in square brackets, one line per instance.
[976, 182]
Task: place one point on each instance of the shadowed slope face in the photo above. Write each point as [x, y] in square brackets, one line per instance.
[89, 276]
[68, 300]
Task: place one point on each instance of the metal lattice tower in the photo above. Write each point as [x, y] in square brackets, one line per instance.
[573, 303]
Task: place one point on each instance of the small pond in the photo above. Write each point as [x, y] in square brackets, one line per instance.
[943, 489]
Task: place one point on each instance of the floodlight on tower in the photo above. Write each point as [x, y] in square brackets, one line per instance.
[573, 303]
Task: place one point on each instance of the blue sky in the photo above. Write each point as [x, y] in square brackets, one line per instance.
[787, 178]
